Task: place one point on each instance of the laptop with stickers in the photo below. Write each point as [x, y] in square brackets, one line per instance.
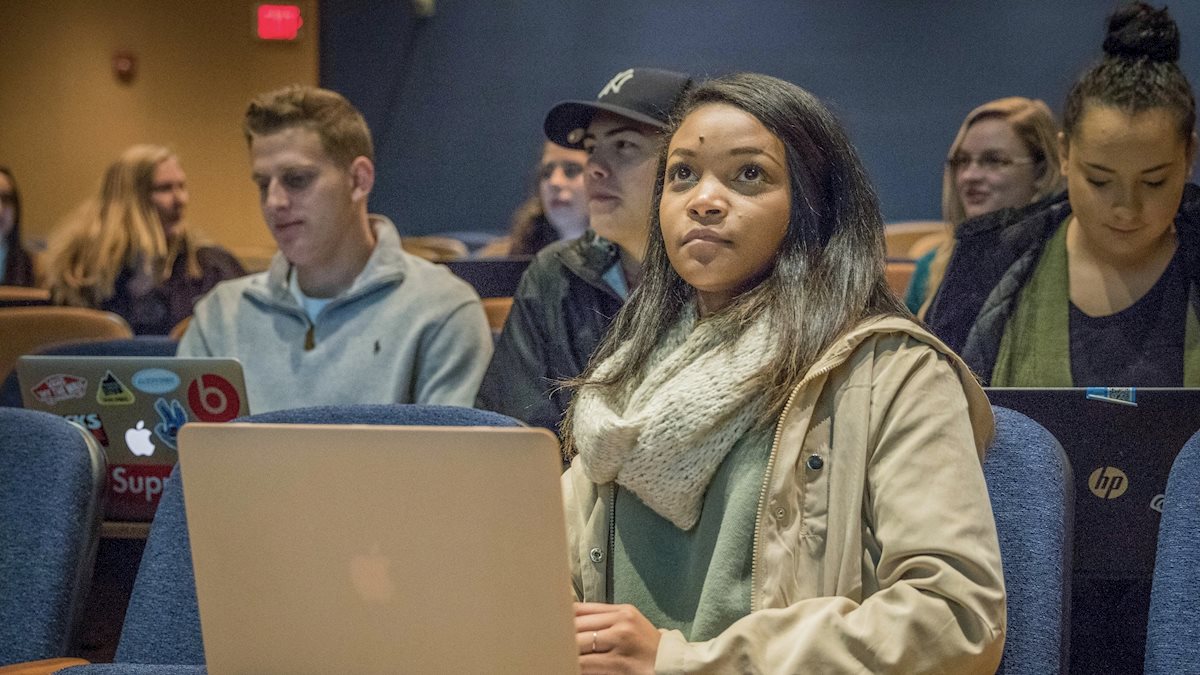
[378, 549]
[1121, 443]
[134, 406]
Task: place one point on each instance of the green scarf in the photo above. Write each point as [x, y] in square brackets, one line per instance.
[1035, 350]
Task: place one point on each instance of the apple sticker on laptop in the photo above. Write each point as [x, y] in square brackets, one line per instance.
[138, 440]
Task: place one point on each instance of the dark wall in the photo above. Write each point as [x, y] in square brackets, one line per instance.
[456, 100]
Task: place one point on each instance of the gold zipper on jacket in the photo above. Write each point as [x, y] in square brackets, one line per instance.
[762, 493]
[612, 542]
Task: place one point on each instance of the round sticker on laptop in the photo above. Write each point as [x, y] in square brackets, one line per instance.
[213, 399]
[155, 381]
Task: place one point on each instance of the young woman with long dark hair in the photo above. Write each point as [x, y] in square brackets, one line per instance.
[773, 469]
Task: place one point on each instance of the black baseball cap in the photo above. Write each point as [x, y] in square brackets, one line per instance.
[646, 95]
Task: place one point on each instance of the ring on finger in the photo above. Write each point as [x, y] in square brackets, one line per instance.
[595, 634]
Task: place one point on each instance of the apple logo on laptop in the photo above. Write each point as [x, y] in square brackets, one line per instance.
[371, 577]
[138, 440]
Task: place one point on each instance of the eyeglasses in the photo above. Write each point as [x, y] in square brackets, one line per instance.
[988, 161]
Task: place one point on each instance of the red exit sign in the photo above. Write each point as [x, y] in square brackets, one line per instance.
[278, 22]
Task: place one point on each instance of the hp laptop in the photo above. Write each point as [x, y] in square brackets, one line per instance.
[378, 549]
[134, 406]
[1121, 443]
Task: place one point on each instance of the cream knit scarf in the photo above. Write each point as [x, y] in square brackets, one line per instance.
[664, 436]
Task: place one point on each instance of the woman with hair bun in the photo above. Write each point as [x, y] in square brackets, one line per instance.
[129, 250]
[763, 434]
[1100, 287]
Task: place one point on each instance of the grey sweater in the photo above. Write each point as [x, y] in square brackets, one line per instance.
[406, 331]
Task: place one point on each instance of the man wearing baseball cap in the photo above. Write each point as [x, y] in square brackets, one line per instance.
[572, 290]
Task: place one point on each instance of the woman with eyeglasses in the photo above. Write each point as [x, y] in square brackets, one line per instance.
[1004, 156]
[16, 265]
[1099, 286]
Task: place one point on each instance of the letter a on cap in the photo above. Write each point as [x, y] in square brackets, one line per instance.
[614, 85]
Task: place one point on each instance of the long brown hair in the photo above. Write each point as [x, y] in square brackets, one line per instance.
[531, 229]
[828, 275]
[18, 264]
[116, 230]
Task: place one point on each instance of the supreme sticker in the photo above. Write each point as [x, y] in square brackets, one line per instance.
[134, 489]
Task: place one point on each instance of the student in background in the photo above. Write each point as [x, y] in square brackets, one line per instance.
[1004, 156]
[343, 315]
[557, 210]
[571, 291]
[763, 434]
[1101, 286]
[129, 249]
[16, 264]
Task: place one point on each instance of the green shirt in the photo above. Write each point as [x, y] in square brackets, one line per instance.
[696, 581]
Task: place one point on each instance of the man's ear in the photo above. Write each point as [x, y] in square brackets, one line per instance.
[1064, 148]
[362, 177]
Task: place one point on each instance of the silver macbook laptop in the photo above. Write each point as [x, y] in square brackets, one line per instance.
[378, 549]
[134, 406]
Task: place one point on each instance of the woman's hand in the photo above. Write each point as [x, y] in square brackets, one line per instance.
[614, 639]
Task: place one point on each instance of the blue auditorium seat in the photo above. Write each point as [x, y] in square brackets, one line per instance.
[1030, 484]
[52, 477]
[1173, 633]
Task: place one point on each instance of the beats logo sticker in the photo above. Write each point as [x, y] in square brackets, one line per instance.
[213, 399]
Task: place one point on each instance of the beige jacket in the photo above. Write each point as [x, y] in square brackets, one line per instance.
[881, 559]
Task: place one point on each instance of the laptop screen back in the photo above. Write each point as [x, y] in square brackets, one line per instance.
[134, 406]
[378, 549]
[1121, 444]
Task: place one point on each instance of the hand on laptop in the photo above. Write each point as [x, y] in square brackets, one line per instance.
[614, 638]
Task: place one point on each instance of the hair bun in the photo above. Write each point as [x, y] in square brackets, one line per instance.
[1139, 31]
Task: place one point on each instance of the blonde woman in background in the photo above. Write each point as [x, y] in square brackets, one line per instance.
[129, 251]
[1004, 156]
[557, 209]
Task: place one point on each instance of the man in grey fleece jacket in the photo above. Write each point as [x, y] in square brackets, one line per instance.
[343, 315]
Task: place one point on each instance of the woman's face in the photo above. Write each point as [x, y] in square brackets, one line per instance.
[169, 194]
[1125, 176]
[726, 202]
[8, 210]
[560, 186]
[992, 168]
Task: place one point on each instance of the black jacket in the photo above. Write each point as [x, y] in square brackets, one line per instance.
[168, 303]
[995, 256]
[561, 310]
